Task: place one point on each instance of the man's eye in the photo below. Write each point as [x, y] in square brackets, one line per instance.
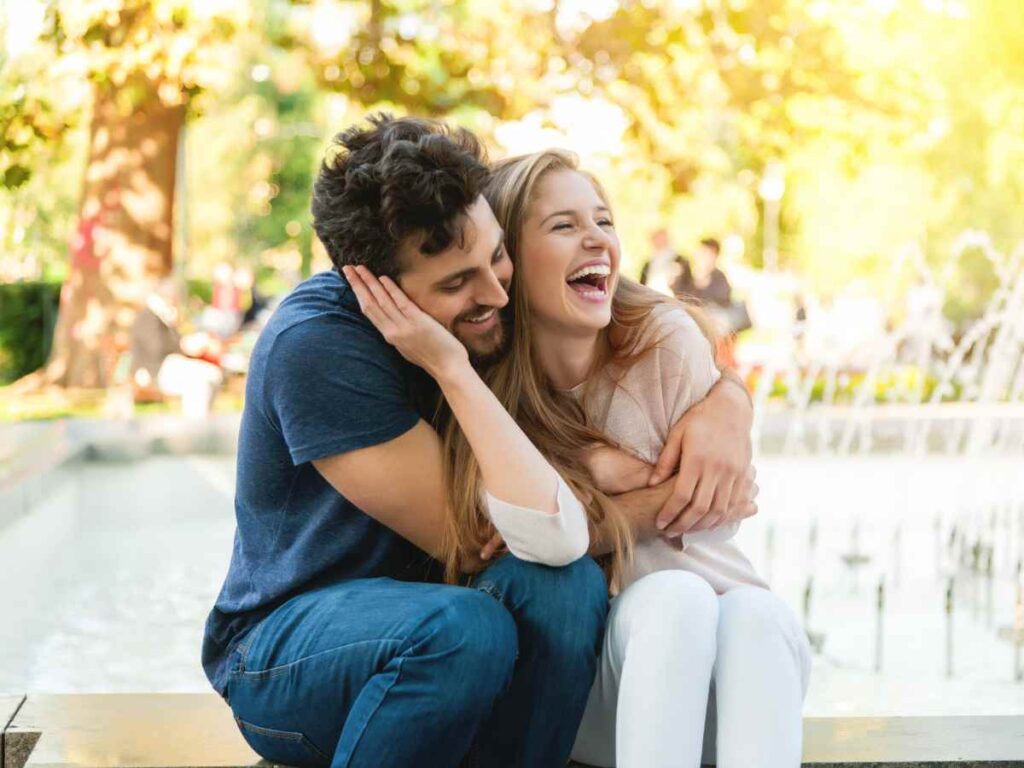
[455, 288]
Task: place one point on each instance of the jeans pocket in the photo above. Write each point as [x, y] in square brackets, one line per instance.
[284, 747]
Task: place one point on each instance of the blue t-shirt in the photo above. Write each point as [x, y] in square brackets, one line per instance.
[322, 381]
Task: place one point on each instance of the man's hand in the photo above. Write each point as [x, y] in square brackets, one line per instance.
[711, 449]
[615, 471]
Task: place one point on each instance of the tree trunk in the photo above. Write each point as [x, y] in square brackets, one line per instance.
[124, 238]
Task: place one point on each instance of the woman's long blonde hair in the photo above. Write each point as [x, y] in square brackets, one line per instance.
[554, 421]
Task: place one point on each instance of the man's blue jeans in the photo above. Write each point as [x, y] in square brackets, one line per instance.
[377, 672]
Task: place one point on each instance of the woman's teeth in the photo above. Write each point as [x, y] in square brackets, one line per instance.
[601, 270]
[590, 282]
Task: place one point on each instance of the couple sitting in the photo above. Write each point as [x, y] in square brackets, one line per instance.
[477, 377]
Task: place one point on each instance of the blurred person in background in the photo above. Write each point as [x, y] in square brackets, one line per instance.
[704, 283]
[163, 362]
[702, 279]
[665, 267]
[224, 315]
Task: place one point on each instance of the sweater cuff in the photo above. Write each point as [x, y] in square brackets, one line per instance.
[538, 537]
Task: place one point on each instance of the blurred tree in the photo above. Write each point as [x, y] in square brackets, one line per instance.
[146, 62]
[895, 122]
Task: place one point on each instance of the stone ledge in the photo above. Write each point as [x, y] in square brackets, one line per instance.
[913, 742]
[17, 746]
[174, 730]
[178, 730]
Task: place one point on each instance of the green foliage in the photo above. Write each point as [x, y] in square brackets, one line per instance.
[28, 312]
[292, 152]
[31, 127]
[895, 123]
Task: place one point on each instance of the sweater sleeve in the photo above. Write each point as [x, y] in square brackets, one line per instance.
[538, 537]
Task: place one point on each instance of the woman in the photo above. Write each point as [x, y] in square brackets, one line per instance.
[599, 361]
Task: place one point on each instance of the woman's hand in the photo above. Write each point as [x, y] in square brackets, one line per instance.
[417, 336]
[615, 471]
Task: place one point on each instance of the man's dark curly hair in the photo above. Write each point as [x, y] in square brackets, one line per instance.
[396, 178]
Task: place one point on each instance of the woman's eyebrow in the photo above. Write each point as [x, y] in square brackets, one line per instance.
[569, 212]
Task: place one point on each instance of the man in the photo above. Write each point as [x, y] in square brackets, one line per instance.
[331, 639]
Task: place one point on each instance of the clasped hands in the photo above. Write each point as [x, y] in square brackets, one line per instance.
[707, 460]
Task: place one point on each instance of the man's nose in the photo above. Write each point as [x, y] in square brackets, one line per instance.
[491, 293]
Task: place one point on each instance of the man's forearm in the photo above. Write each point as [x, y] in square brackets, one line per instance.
[640, 508]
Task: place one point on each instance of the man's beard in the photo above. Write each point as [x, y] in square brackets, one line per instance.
[485, 350]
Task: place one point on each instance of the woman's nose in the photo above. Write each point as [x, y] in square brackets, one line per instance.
[596, 238]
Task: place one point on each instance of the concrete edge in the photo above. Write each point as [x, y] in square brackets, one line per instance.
[4, 741]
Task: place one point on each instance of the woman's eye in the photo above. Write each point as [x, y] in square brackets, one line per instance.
[562, 226]
[605, 223]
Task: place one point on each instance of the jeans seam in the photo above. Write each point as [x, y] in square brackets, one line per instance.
[380, 700]
[489, 588]
[271, 672]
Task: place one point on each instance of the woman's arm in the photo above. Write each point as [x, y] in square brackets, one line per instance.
[521, 484]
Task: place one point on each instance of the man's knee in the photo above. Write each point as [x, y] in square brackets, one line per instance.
[480, 634]
[569, 603]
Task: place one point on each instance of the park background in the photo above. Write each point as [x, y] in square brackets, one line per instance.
[863, 159]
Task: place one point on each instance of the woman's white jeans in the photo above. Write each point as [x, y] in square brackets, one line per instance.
[686, 674]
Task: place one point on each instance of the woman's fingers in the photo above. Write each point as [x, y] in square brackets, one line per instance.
[380, 294]
[367, 301]
[402, 302]
[492, 546]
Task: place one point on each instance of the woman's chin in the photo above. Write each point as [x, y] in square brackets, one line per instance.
[590, 321]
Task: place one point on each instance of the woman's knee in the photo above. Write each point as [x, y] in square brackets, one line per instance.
[755, 612]
[752, 614]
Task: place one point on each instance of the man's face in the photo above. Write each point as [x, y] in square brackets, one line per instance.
[465, 286]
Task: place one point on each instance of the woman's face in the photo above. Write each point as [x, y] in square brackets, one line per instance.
[569, 254]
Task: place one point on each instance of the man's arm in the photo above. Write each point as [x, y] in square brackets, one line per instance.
[710, 448]
[399, 484]
[640, 508]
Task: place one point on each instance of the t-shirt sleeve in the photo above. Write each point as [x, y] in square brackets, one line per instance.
[332, 386]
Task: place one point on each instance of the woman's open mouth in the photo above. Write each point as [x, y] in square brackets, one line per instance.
[590, 283]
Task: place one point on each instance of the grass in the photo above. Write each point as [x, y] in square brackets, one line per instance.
[55, 403]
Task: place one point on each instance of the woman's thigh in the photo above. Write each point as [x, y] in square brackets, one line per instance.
[655, 668]
[761, 676]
